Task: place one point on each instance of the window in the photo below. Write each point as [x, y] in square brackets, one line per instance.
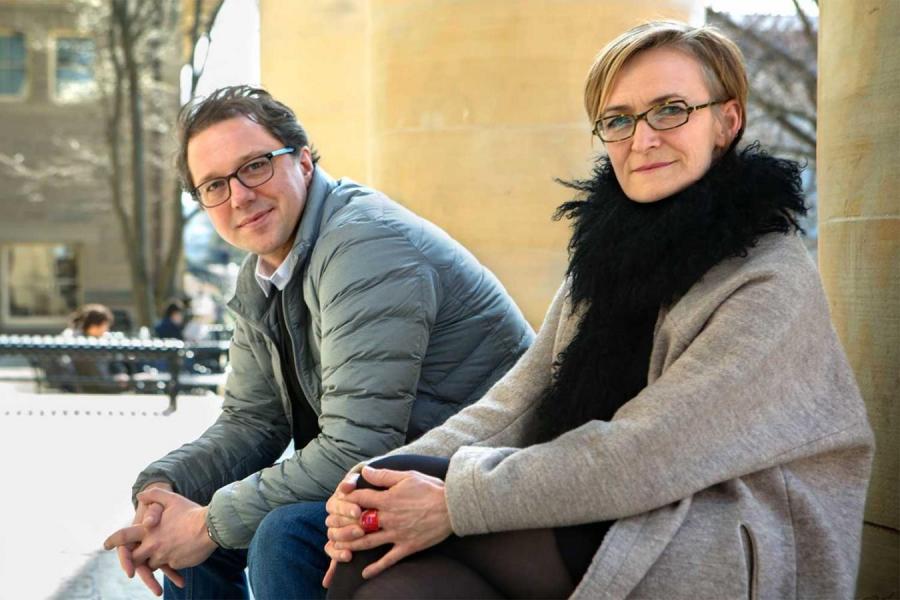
[40, 282]
[12, 64]
[74, 69]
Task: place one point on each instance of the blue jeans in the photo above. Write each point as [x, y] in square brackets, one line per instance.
[221, 576]
[286, 559]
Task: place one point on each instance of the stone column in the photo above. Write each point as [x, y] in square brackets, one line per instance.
[478, 107]
[859, 242]
[314, 57]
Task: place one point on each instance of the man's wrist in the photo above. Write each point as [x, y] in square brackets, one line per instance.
[209, 535]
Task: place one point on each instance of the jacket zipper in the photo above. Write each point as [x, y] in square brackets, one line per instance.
[273, 345]
[287, 326]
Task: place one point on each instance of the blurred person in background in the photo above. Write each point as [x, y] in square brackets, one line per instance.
[172, 323]
[92, 320]
[91, 376]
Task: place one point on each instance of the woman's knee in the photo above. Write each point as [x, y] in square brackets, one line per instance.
[429, 465]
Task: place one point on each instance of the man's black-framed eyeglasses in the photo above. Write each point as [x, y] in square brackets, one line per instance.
[668, 115]
[251, 174]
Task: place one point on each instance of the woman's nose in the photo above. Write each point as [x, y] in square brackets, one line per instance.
[645, 137]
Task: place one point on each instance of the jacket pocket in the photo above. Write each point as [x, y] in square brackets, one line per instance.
[750, 561]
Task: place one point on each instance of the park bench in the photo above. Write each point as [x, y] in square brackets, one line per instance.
[65, 362]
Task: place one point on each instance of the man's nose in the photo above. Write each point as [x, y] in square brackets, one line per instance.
[240, 193]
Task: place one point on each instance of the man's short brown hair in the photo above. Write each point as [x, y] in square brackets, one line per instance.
[256, 104]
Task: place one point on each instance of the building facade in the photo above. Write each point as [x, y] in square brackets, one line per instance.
[60, 243]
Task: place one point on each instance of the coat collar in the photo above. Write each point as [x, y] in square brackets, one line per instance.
[249, 302]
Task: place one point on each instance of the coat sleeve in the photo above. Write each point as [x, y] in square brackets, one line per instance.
[762, 383]
[250, 434]
[377, 300]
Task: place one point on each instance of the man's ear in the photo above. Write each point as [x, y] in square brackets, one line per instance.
[730, 120]
[304, 159]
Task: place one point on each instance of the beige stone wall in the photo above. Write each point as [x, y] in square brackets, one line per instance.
[463, 110]
[859, 242]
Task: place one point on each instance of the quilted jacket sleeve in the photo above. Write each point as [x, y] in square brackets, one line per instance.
[377, 301]
[250, 434]
[503, 417]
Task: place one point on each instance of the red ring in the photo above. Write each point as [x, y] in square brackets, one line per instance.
[369, 520]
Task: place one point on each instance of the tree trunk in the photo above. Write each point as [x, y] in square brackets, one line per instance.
[114, 145]
[167, 275]
[143, 292]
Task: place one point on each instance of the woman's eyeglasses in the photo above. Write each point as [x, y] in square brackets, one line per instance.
[668, 115]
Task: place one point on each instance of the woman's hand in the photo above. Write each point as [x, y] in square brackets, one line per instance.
[342, 522]
[343, 515]
[412, 513]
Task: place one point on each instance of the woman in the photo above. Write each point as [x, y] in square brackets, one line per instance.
[91, 376]
[686, 423]
[90, 320]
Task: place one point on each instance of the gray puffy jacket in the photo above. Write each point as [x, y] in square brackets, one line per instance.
[395, 327]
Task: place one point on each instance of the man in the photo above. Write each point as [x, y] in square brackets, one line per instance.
[359, 326]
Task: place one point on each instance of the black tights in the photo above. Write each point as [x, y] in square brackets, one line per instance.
[510, 564]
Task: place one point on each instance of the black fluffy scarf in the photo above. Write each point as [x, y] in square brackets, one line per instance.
[627, 260]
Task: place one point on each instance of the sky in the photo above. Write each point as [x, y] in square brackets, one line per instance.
[234, 52]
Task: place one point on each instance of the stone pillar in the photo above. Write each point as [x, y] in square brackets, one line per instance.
[478, 107]
[463, 110]
[314, 57]
[859, 242]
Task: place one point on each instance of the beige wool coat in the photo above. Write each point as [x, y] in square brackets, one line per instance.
[740, 471]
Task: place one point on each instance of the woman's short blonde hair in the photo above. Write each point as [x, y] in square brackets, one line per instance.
[720, 58]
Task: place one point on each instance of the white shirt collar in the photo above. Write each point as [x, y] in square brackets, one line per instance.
[279, 278]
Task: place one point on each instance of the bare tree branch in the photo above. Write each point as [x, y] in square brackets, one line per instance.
[213, 15]
[803, 71]
[789, 150]
[783, 120]
[141, 17]
[781, 64]
[812, 37]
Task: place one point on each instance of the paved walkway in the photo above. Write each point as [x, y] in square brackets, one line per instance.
[67, 464]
